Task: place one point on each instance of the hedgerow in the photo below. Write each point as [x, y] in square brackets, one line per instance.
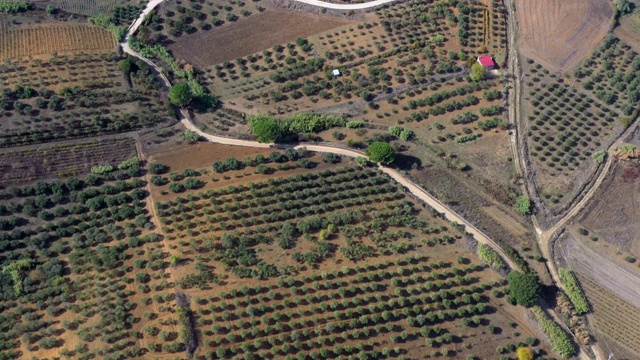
[559, 339]
[490, 256]
[573, 291]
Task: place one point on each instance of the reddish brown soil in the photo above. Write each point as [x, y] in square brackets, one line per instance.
[561, 33]
[246, 37]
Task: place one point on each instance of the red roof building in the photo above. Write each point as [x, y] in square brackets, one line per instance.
[487, 62]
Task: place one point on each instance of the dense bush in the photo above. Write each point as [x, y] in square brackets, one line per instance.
[270, 129]
[157, 169]
[573, 291]
[559, 339]
[490, 256]
[381, 152]
[523, 288]
[523, 205]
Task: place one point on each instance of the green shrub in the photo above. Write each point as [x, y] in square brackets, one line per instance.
[523, 205]
[101, 169]
[599, 156]
[559, 339]
[467, 138]
[11, 7]
[490, 256]
[130, 163]
[573, 291]
[354, 124]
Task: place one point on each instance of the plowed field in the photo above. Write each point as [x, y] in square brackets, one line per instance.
[45, 39]
[561, 33]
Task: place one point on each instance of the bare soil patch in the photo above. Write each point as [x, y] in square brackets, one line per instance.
[590, 263]
[560, 33]
[249, 36]
[615, 218]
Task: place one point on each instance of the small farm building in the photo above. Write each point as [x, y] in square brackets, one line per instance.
[336, 72]
[487, 62]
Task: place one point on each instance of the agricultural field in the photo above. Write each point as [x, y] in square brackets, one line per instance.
[98, 267]
[70, 252]
[614, 220]
[45, 39]
[121, 9]
[63, 160]
[356, 268]
[572, 121]
[560, 34]
[76, 96]
[629, 30]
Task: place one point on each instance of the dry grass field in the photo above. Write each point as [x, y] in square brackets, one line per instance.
[559, 33]
[45, 39]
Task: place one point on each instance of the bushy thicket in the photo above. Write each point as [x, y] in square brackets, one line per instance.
[490, 256]
[559, 339]
[270, 129]
[573, 291]
[11, 7]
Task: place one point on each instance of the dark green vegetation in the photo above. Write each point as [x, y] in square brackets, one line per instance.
[271, 129]
[524, 288]
[381, 152]
[67, 249]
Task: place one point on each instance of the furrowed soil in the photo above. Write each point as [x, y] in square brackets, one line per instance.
[248, 36]
[561, 33]
[615, 217]
[44, 39]
[50, 161]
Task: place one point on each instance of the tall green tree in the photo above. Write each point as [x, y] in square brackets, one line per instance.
[477, 72]
[523, 288]
[180, 94]
[267, 128]
[381, 152]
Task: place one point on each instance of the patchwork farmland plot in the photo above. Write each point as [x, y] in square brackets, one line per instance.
[22, 166]
[615, 317]
[70, 248]
[93, 97]
[45, 39]
[567, 126]
[559, 34]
